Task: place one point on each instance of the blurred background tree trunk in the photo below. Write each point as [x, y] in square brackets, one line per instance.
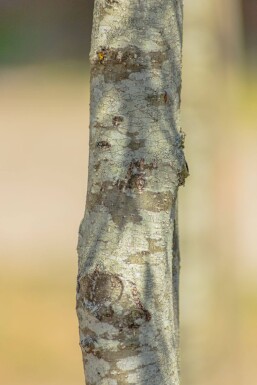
[127, 296]
[249, 18]
[212, 45]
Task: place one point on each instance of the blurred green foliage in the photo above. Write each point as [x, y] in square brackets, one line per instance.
[39, 31]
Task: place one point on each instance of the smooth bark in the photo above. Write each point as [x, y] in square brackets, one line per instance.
[127, 293]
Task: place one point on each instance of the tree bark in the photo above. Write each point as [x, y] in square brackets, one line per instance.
[127, 293]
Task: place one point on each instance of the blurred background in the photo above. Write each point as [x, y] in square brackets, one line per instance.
[44, 107]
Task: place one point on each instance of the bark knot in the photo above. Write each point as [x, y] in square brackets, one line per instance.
[111, 300]
[100, 286]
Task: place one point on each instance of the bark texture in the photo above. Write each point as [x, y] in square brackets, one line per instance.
[127, 293]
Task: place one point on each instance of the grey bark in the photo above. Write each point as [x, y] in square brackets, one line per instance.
[127, 293]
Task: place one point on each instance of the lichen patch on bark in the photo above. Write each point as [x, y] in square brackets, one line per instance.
[117, 64]
[125, 208]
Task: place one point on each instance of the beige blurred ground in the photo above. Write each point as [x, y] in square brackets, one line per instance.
[43, 167]
[43, 157]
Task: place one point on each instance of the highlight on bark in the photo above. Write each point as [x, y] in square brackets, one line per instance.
[128, 249]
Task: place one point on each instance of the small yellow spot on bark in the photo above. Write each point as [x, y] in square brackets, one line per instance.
[100, 56]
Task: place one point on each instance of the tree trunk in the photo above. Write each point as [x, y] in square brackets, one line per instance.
[127, 293]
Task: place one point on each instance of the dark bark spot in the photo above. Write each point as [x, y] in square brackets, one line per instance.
[78, 286]
[117, 120]
[137, 317]
[97, 166]
[100, 125]
[110, 3]
[180, 140]
[103, 144]
[139, 314]
[135, 144]
[179, 93]
[132, 134]
[157, 59]
[165, 97]
[89, 346]
[135, 178]
[156, 99]
[105, 313]
[183, 174]
[105, 186]
[153, 165]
